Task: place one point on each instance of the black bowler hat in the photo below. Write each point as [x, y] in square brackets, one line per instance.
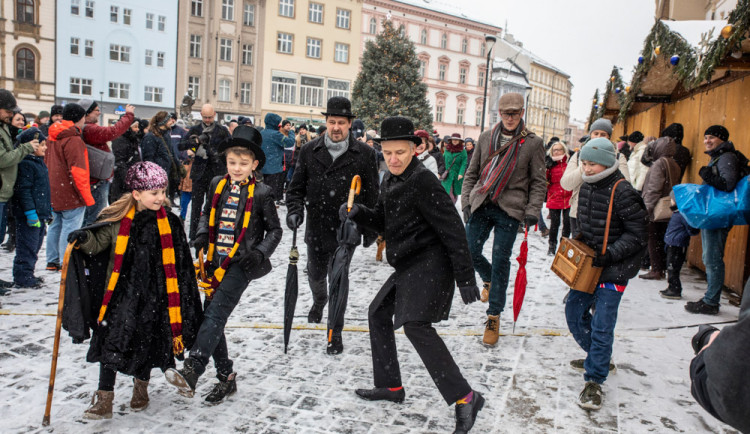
[339, 106]
[398, 128]
[246, 137]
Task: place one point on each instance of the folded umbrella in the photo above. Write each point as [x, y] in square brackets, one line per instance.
[291, 291]
[519, 287]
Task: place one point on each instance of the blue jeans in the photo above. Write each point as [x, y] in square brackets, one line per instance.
[542, 224]
[28, 243]
[481, 222]
[184, 202]
[63, 224]
[594, 334]
[100, 192]
[713, 241]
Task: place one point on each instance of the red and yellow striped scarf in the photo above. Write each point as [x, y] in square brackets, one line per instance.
[213, 282]
[170, 271]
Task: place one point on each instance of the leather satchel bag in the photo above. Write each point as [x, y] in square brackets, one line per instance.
[573, 262]
[663, 209]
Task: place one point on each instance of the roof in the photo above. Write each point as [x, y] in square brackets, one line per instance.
[447, 8]
[538, 60]
[515, 74]
[696, 31]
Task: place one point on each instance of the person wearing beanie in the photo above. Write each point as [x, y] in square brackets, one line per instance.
[43, 117]
[620, 262]
[558, 199]
[55, 115]
[682, 155]
[721, 173]
[67, 159]
[601, 128]
[137, 225]
[127, 152]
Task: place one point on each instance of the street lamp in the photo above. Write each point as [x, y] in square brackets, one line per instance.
[489, 43]
[544, 125]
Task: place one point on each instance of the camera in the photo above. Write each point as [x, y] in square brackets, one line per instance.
[701, 338]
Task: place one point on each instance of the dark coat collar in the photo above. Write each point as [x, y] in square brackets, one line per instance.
[724, 147]
[408, 172]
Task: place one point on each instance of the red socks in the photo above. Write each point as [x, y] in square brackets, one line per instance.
[395, 389]
[466, 399]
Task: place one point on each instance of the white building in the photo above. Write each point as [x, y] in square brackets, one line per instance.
[507, 77]
[117, 53]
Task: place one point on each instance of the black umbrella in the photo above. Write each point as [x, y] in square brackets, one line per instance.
[291, 291]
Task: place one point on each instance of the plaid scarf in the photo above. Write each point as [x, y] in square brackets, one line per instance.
[168, 262]
[211, 283]
[496, 174]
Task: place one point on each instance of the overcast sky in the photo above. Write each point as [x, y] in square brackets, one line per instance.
[584, 38]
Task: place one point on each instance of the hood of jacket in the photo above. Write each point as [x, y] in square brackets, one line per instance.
[724, 147]
[664, 147]
[63, 129]
[272, 121]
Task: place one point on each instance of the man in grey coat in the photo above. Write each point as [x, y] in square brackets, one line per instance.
[505, 185]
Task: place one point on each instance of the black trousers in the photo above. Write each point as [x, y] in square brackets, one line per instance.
[318, 276]
[555, 215]
[108, 376]
[424, 338]
[675, 258]
[200, 188]
[656, 252]
[574, 230]
[276, 182]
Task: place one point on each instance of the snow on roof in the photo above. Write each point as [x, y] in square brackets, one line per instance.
[511, 78]
[445, 8]
[538, 60]
[693, 31]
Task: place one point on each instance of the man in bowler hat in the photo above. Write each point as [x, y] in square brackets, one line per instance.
[321, 181]
[427, 246]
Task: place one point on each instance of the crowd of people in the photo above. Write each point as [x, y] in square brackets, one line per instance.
[55, 170]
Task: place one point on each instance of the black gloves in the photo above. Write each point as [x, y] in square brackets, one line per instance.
[467, 214]
[469, 294]
[530, 220]
[707, 173]
[602, 261]
[78, 236]
[252, 260]
[344, 213]
[200, 243]
[293, 221]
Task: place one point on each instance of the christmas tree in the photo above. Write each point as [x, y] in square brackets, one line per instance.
[594, 115]
[388, 84]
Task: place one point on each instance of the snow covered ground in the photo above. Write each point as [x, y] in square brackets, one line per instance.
[525, 378]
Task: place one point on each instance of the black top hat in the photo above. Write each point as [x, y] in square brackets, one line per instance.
[339, 106]
[247, 137]
[397, 128]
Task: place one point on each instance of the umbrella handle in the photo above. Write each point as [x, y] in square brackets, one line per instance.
[526, 233]
[353, 191]
[294, 238]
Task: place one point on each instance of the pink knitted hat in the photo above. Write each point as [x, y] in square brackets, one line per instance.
[146, 176]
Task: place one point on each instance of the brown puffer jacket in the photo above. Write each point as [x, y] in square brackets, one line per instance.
[663, 174]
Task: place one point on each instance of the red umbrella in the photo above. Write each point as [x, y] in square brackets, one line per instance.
[519, 288]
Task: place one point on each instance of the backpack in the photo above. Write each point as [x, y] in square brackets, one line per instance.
[744, 164]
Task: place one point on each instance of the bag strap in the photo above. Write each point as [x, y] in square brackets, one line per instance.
[503, 148]
[609, 216]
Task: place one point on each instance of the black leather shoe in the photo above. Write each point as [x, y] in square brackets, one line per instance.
[466, 414]
[382, 394]
[5, 284]
[336, 345]
[226, 386]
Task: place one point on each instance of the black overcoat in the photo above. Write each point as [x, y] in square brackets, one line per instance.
[206, 168]
[426, 244]
[321, 185]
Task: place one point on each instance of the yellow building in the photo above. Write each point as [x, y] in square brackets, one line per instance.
[548, 111]
[311, 52]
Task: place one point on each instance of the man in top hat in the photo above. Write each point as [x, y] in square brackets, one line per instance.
[320, 183]
[428, 249]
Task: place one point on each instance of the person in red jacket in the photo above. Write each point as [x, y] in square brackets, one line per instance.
[558, 199]
[97, 136]
[68, 163]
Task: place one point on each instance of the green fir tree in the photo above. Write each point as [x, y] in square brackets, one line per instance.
[594, 115]
[389, 84]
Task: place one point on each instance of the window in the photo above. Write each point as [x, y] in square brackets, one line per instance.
[245, 89]
[225, 89]
[149, 57]
[283, 89]
[343, 17]
[89, 8]
[313, 48]
[247, 54]
[75, 7]
[337, 88]
[89, 48]
[483, 50]
[439, 113]
[126, 14]
[150, 21]
[460, 116]
[286, 8]
[422, 68]
[373, 26]
[441, 71]
[311, 91]
[315, 14]
[194, 85]
[119, 53]
[423, 37]
[162, 23]
[402, 30]
[114, 13]
[25, 64]
[284, 43]
[248, 15]
[160, 59]
[481, 77]
[195, 46]
[80, 86]
[341, 54]
[464, 45]
[227, 10]
[74, 43]
[444, 41]
[478, 117]
[462, 75]
[119, 90]
[153, 94]
[225, 49]
[196, 8]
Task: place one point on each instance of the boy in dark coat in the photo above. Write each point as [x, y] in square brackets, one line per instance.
[428, 248]
[677, 240]
[240, 230]
[625, 243]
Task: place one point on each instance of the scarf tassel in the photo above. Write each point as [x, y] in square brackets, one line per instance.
[178, 347]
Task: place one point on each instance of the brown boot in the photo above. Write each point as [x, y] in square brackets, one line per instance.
[653, 275]
[101, 405]
[139, 401]
[492, 330]
[485, 292]
[381, 247]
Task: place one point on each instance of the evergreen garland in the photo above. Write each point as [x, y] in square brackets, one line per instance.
[610, 90]
[389, 84]
[594, 114]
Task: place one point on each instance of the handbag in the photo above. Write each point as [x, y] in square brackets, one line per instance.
[444, 175]
[574, 260]
[663, 209]
[101, 163]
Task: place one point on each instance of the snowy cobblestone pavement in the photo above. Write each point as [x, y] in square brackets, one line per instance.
[526, 379]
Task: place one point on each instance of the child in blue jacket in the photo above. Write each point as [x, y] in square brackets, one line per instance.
[677, 239]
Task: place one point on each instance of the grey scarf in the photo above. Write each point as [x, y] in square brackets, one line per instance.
[601, 175]
[336, 149]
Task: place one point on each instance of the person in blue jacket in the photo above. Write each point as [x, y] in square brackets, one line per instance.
[677, 239]
[274, 143]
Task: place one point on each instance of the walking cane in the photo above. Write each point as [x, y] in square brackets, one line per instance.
[58, 326]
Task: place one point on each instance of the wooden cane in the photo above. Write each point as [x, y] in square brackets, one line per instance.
[58, 327]
[353, 191]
